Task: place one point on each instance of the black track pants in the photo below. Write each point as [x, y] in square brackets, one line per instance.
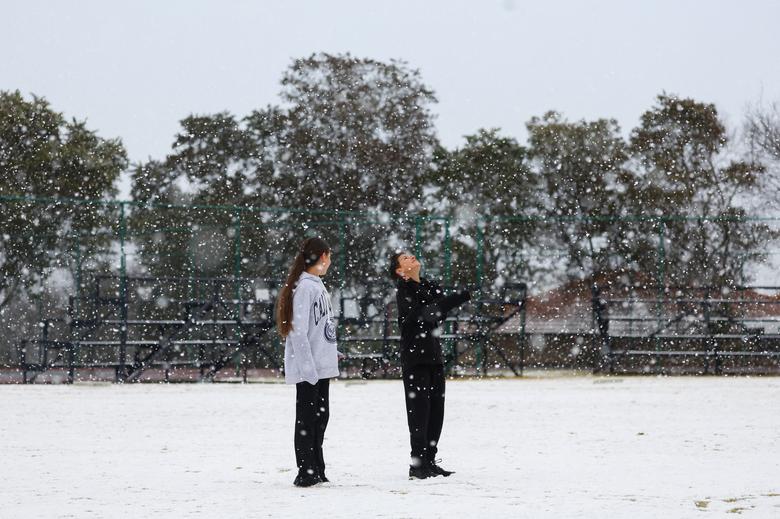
[424, 387]
[312, 410]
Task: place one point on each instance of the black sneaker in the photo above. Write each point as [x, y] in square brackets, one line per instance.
[306, 480]
[438, 471]
[321, 475]
[421, 472]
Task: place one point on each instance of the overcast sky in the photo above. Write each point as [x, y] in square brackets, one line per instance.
[133, 69]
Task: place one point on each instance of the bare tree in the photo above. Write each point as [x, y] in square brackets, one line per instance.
[763, 130]
[762, 136]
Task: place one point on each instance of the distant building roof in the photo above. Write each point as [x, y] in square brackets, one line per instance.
[568, 309]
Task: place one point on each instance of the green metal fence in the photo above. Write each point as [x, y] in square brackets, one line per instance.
[664, 250]
[54, 246]
[57, 247]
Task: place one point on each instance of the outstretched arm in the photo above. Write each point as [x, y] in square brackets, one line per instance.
[428, 316]
[451, 301]
[437, 312]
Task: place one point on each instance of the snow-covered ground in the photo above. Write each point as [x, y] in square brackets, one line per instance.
[561, 447]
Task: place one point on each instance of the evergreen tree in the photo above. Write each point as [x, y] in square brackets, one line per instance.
[213, 162]
[681, 168]
[44, 155]
[352, 135]
[581, 167]
[358, 133]
[481, 187]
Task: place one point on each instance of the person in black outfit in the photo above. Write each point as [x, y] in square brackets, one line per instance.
[422, 307]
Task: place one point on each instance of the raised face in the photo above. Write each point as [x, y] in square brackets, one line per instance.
[408, 266]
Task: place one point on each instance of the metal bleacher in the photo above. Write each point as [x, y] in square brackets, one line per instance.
[134, 324]
[168, 329]
[688, 329]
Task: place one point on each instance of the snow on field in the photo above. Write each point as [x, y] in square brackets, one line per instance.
[562, 447]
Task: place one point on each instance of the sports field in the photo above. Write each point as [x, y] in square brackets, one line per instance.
[537, 447]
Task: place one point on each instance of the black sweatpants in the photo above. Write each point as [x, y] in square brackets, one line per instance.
[424, 387]
[312, 410]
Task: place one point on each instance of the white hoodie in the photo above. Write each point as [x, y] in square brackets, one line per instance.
[310, 347]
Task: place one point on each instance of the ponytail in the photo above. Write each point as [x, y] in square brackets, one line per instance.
[310, 252]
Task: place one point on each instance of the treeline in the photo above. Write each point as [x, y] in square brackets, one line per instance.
[358, 136]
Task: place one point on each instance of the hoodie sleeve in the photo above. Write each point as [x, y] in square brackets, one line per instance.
[299, 336]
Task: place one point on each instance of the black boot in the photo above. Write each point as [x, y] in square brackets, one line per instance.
[321, 475]
[421, 472]
[437, 470]
[306, 480]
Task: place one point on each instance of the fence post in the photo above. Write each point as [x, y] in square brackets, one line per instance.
[600, 332]
[342, 254]
[480, 246]
[23, 345]
[710, 341]
[447, 252]
[523, 338]
[450, 345]
[71, 348]
[78, 272]
[661, 260]
[121, 371]
[661, 281]
[191, 267]
[237, 259]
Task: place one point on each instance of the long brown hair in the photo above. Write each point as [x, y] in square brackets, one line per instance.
[308, 254]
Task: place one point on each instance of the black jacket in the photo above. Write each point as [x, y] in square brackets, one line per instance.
[422, 307]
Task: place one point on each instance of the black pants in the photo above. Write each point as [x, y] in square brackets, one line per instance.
[312, 410]
[424, 386]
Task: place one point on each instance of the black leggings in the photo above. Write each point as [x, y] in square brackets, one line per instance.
[312, 410]
[424, 387]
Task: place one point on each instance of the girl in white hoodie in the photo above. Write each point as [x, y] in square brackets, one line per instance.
[304, 318]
